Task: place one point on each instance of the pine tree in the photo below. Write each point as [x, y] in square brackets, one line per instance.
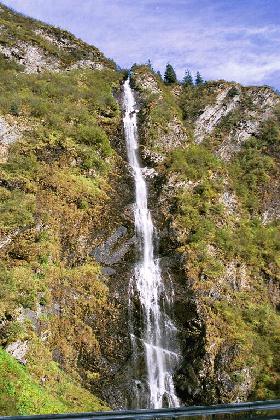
[170, 75]
[159, 74]
[198, 79]
[188, 80]
[149, 64]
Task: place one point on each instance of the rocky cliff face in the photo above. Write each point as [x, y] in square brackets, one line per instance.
[38, 47]
[67, 234]
[214, 154]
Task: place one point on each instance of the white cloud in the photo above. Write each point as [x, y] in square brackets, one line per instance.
[201, 36]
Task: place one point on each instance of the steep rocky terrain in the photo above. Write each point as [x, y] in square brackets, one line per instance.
[63, 190]
[214, 154]
[67, 234]
[38, 47]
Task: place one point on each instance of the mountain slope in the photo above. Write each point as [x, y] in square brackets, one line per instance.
[67, 229]
[36, 46]
[215, 154]
[57, 181]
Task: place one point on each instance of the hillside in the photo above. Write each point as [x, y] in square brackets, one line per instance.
[36, 47]
[67, 241]
[214, 150]
[56, 165]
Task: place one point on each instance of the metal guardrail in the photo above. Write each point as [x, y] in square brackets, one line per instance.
[257, 408]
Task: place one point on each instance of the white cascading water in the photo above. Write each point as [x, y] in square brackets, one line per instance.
[158, 337]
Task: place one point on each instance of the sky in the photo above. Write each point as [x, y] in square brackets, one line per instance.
[224, 39]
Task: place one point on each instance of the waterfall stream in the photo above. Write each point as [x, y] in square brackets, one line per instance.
[157, 338]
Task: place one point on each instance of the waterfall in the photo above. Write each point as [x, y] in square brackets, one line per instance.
[157, 337]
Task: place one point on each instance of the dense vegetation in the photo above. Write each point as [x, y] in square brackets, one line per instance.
[211, 239]
[57, 171]
[21, 394]
[231, 256]
[56, 187]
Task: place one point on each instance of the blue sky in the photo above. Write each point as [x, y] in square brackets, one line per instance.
[229, 39]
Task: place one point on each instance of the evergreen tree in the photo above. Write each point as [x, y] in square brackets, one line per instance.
[188, 80]
[159, 74]
[170, 75]
[149, 64]
[198, 79]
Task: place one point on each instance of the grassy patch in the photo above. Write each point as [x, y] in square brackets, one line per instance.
[21, 394]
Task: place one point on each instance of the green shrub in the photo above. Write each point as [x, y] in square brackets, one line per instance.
[194, 162]
[233, 91]
[38, 107]
[16, 209]
[255, 166]
[93, 136]
[254, 327]
[15, 109]
[194, 99]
